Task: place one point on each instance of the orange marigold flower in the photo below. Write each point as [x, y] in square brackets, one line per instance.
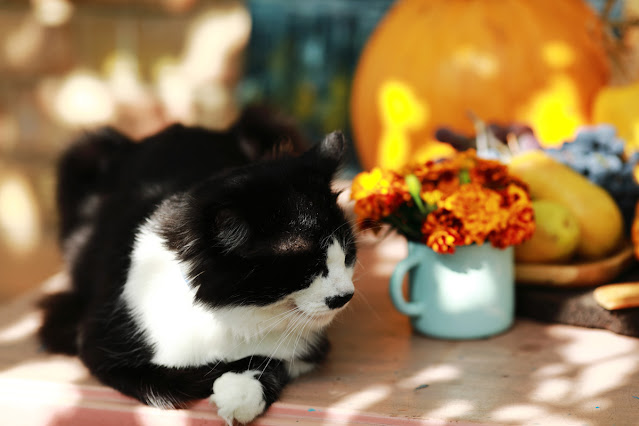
[442, 241]
[468, 200]
[478, 208]
[377, 194]
[442, 231]
[375, 182]
[435, 171]
[432, 197]
[515, 195]
[519, 226]
[490, 173]
[374, 208]
[449, 186]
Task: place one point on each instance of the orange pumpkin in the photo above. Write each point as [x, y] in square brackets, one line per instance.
[429, 62]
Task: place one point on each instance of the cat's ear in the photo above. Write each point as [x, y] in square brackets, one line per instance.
[266, 133]
[329, 153]
[232, 231]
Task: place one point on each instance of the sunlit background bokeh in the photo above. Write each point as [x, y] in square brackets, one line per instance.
[67, 66]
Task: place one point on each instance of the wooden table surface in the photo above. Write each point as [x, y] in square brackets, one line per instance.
[378, 372]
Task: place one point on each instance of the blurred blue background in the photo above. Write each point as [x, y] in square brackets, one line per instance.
[302, 55]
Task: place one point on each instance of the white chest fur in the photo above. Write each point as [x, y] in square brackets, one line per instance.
[183, 333]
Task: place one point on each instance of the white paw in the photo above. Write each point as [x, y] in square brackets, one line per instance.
[238, 396]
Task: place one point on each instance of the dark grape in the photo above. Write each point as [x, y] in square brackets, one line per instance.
[598, 153]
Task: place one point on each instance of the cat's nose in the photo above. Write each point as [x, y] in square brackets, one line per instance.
[335, 302]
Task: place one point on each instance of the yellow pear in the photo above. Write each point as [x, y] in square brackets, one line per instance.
[556, 235]
[600, 220]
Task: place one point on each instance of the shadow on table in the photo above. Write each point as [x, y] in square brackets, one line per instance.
[379, 372]
[48, 381]
[535, 373]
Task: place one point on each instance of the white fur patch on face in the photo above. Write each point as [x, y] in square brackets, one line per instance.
[338, 282]
[238, 396]
[184, 333]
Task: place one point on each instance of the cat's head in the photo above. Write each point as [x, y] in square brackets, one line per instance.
[269, 234]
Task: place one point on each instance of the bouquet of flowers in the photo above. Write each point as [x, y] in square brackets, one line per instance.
[453, 202]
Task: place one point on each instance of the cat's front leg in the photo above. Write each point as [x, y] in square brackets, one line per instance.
[239, 396]
[242, 394]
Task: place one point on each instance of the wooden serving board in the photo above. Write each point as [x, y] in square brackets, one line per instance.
[579, 274]
[574, 306]
[565, 293]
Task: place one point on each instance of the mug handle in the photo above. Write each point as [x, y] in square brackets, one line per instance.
[411, 308]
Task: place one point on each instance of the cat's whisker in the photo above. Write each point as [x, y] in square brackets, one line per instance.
[360, 294]
[290, 314]
[282, 317]
[294, 308]
[346, 223]
[297, 326]
[281, 340]
[279, 316]
[303, 335]
[308, 331]
[359, 277]
[299, 336]
[352, 238]
[282, 337]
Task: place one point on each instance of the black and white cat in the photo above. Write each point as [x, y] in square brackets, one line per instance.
[197, 272]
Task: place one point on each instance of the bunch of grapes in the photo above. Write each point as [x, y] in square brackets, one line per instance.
[598, 154]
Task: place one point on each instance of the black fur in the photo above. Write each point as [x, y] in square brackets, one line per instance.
[251, 222]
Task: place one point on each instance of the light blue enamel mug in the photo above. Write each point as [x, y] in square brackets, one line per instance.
[466, 295]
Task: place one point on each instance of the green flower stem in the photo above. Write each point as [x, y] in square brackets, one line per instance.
[464, 176]
[430, 208]
[415, 189]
